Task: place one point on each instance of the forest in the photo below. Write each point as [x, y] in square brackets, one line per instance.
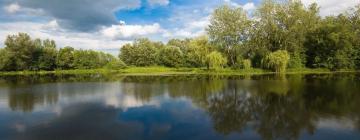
[276, 36]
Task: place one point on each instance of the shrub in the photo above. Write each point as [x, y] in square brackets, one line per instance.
[276, 61]
[216, 60]
[115, 64]
[171, 56]
[246, 64]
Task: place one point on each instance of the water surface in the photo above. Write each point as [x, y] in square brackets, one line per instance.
[86, 107]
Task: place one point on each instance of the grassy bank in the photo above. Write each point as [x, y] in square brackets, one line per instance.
[172, 71]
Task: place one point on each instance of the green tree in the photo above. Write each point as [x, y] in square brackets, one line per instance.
[4, 60]
[331, 44]
[285, 26]
[115, 64]
[141, 53]
[229, 30]
[171, 56]
[65, 58]
[277, 61]
[47, 57]
[216, 60]
[20, 49]
[196, 52]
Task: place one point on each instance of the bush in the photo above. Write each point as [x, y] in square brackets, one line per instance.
[276, 61]
[216, 60]
[296, 61]
[115, 64]
[171, 56]
[246, 64]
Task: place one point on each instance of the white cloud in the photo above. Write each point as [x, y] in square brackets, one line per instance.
[333, 7]
[12, 8]
[192, 28]
[51, 30]
[123, 31]
[158, 2]
[249, 6]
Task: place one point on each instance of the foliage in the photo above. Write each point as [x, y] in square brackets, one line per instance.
[65, 58]
[246, 64]
[216, 60]
[273, 33]
[171, 56]
[285, 26]
[115, 65]
[229, 30]
[331, 45]
[47, 57]
[277, 61]
[141, 53]
[197, 51]
[21, 51]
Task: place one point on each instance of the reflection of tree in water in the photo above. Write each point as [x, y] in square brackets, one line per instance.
[26, 101]
[273, 116]
[194, 87]
[275, 107]
[283, 113]
[25, 92]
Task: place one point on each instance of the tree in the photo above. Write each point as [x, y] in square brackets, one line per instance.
[171, 56]
[86, 59]
[285, 26]
[20, 49]
[115, 64]
[65, 58]
[141, 53]
[47, 57]
[277, 61]
[229, 29]
[4, 60]
[196, 52]
[331, 45]
[215, 60]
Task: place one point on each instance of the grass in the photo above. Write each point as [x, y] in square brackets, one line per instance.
[173, 71]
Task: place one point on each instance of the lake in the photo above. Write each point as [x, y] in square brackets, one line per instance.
[94, 107]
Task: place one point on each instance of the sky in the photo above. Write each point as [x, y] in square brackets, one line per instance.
[106, 25]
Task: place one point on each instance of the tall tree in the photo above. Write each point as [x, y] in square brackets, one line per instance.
[229, 30]
[284, 26]
[65, 58]
[47, 59]
[21, 51]
[141, 53]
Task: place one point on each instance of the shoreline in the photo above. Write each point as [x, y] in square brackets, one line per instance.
[158, 71]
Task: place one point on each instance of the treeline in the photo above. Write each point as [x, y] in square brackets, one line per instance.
[277, 36]
[23, 53]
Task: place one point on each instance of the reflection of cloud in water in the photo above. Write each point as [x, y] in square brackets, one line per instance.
[19, 127]
[128, 101]
[336, 124]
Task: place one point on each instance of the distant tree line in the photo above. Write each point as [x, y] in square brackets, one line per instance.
[278, 35]
[23, 53]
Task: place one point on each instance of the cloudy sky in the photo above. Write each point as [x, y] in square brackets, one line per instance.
[107, 24]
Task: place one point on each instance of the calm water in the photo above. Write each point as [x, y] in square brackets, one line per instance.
[90, 107]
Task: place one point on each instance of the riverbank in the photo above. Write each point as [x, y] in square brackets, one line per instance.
[173, 71]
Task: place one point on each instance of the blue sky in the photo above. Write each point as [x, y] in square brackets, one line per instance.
[108, 24]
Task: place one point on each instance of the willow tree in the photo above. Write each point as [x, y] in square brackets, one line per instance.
[277, 61]
[197, 49]
[216, 60]
[229, 30]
